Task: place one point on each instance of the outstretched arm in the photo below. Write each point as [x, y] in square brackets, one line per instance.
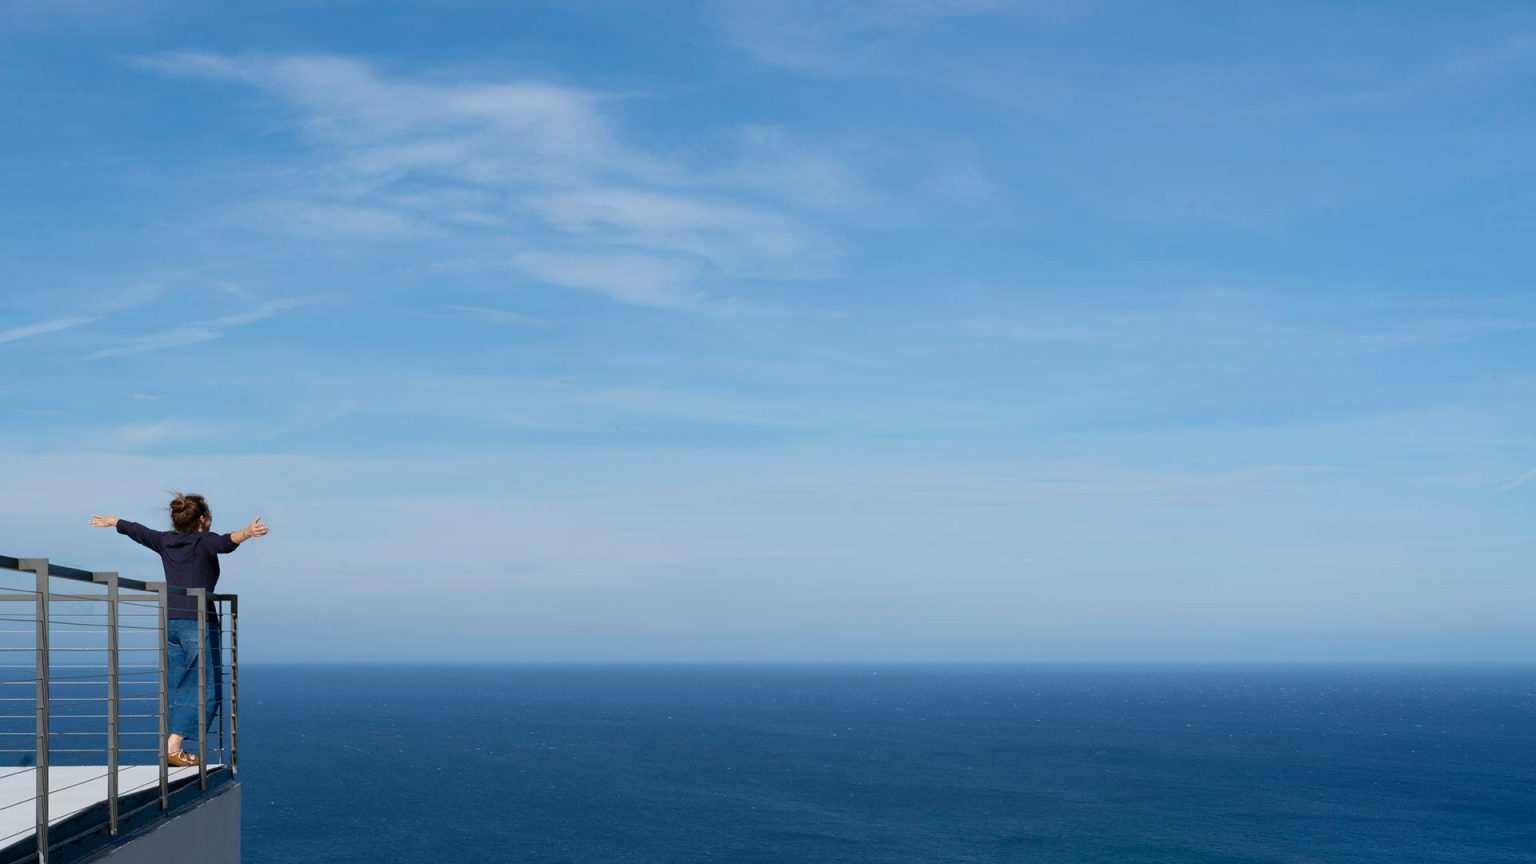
[257, 528]
[133, 530]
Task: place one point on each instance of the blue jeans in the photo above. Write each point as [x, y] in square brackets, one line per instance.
[181, 675]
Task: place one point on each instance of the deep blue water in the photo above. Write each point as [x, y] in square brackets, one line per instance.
[889, 764]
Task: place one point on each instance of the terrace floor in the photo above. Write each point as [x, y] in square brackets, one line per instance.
[72, 789]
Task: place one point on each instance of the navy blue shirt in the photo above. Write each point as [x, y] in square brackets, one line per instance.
[191, 560]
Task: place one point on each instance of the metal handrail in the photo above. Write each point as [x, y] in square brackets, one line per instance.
[114, 597]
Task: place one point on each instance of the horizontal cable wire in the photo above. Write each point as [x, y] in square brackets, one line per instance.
[62, 632]
[18, 834]
[71, 650]
[75, 596]
[28, 712]
[73, 678]
[86, 613]
[98, 734]
[82, 589]
[55, 844]
[52, 750]
[98, 683]
[82, 665]
[80, 782]
[68, 678]
[52, 698]
[78, 598]
[52, 620]
[83, 613]
[51, 792]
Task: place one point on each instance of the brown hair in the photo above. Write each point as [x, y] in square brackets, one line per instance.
[188, 512]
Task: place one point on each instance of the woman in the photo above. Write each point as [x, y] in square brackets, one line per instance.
[190, 555]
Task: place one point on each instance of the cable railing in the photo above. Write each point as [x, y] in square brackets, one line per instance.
[95, 700]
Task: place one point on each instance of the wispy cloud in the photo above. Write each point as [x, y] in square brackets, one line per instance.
[1378, 325]
[133, 296]
[170, 429]
[502, 316]
[1436, 331]
[27, 331]
[1517, 482]
[455, 161]
[629, 277]
[192, 334]
[1037, 330]
[108, 302]
[734, 237]
[308, 218]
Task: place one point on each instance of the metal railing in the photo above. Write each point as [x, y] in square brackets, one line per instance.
[87, 700]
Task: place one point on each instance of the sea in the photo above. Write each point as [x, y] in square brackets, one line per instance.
[804, 764]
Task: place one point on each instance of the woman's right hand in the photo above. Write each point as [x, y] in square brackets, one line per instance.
[103, 521]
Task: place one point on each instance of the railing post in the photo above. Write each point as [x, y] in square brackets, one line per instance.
[234, 684]
[113, 697]
[201, 596]
[39, 566]
[165, 709]
[220, 610]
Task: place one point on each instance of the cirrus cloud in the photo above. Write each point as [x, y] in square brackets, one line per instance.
[537, 175]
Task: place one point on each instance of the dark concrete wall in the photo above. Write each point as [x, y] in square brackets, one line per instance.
[206, 833]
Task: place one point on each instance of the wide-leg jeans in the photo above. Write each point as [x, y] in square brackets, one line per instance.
[181, 675]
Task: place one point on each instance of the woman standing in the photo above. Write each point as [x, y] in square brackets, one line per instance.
[190, 555]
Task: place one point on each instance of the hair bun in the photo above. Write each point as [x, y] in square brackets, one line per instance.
[189, 512]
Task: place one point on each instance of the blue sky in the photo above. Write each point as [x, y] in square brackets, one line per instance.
[917, 329]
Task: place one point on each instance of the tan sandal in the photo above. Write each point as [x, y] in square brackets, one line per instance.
[181, 759]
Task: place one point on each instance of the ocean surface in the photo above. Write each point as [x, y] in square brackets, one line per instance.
[786, 764]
